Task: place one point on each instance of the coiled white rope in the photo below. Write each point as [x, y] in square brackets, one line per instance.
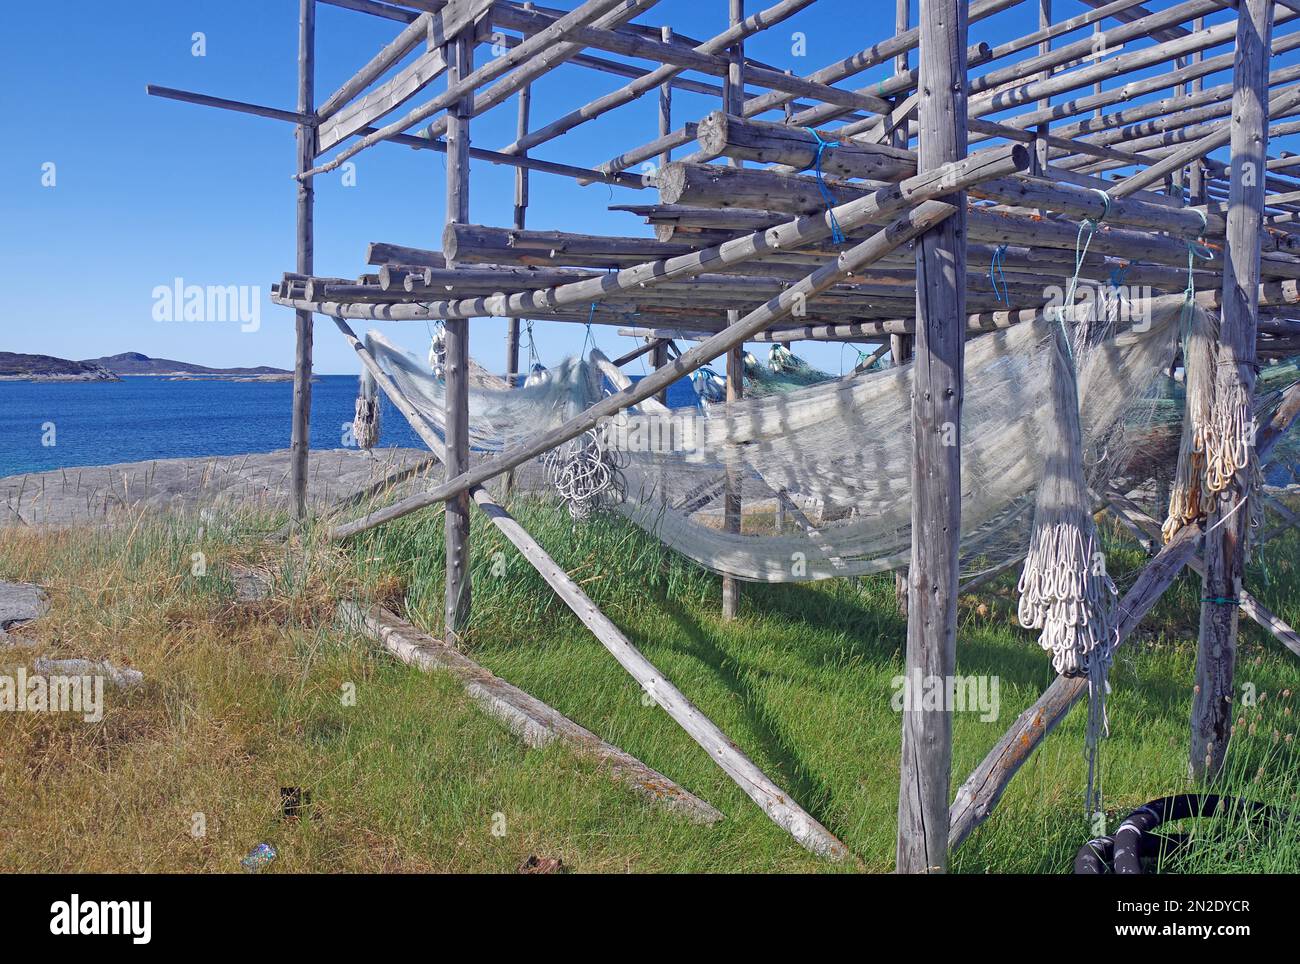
[587, 473]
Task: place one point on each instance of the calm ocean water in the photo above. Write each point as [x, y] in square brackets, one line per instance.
[144, 417]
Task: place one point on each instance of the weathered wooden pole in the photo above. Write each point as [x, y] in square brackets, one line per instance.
[936, 451]
[666, 105]
[1196, 183]
[734, 103]
[659, 354]
[1042, 150]
[300, 432]
[460, 55]
[900, 346]
[521, 216]
[1228, 523]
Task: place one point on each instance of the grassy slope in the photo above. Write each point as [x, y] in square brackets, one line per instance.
[243, 700]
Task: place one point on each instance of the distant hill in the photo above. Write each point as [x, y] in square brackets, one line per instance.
[48, 368]
[134, 363]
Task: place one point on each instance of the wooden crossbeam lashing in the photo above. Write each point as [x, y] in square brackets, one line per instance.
[781, 208]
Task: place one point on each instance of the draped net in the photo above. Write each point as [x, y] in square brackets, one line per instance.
[825, 471]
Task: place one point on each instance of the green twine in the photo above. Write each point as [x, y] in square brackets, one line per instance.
[1221, 600]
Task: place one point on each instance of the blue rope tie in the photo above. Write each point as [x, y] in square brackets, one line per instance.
[837, 236]
[996, 266]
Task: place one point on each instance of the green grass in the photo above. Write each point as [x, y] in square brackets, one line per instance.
[241, 700]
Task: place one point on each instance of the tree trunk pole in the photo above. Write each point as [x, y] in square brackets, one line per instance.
[1196, 182]
[1042, 151]
[460, 54]
[665, 105]
[521, 216]
[900, 346]
[734, 104]
[926, 766]
[300, 432]
[1228, 524]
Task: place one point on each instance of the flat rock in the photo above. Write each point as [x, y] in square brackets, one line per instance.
[20, 602]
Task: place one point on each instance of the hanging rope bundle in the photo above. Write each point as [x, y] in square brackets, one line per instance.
[587, 473]
[1228, 438]
[365, 423]
[1189, 502]
[1064, 589]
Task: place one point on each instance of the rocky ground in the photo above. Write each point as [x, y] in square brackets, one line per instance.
[106, 493]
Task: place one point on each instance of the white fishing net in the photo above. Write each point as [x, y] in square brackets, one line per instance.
[825, 471]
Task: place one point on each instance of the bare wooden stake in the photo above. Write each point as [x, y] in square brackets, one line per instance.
[460, 64]
[1228, 524]
[936, 470]
[300, 432]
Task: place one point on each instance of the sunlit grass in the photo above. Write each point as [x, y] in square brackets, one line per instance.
[243, 699]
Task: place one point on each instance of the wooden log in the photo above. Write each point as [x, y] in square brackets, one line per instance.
[721, 133]
[887, 201]
[1147, 531]
[913, 223]
[864, 60]
[778, 12]
[1136, 88]
[687, 184]
[774, 801]
[300, 431]
[441, 27]
[533, 721]
[665, 110]
[936, 451]
[982, 790]
[378, 65]
[552, 55]
[543, 50]
[520, 222]
[459, 55]
[905, 80]
[992, 101]
[1220, 134]
[1228, 522]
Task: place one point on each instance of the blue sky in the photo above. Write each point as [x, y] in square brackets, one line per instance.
[148, 190]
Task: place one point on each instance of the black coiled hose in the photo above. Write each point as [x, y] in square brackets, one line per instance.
[1123, 852]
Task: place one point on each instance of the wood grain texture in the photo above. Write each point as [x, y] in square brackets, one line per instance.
[922, 845]
[1228, 523]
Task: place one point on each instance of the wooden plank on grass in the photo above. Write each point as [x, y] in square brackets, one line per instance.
[533, 721]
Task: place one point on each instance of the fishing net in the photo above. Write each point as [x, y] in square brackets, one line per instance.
[824, 470]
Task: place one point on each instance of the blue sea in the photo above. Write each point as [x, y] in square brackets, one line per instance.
[146, 417]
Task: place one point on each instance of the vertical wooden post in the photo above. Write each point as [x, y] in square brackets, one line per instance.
[900, 346]
[460, 55]
[734, 103]
[923, 795]
[1096, 88]
[1196, 177]
[300, 432]
[659, 355]
[1228, 524]
[1043, 153]
[665, 106]
[521, 216]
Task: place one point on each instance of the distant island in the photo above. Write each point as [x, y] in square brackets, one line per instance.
[46, 368]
